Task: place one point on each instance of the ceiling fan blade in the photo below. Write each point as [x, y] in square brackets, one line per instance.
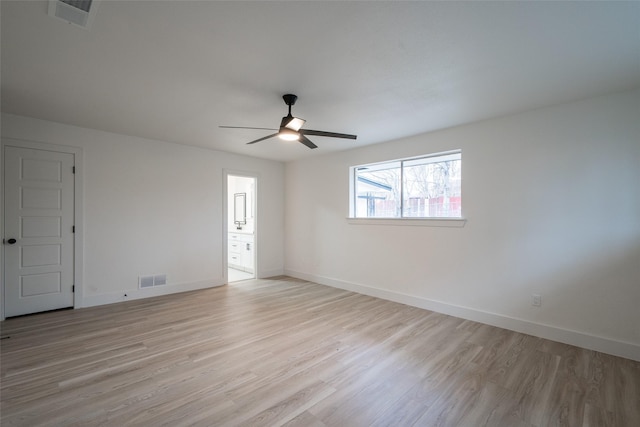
[244, 127]
[263, 138]
[305, 141]
[329, 134]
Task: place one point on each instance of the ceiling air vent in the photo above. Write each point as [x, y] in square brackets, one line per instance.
[77, 12]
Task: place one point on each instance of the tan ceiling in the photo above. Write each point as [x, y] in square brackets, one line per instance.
[176, 70]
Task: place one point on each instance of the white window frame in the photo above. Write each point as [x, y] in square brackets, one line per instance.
[401, 221]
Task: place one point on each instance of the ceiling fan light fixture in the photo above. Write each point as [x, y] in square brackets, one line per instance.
[288, 134]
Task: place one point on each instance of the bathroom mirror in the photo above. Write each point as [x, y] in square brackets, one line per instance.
[240, 209]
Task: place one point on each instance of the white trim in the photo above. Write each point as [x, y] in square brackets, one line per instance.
[580, 339]
[417, 222]
[78, 211]
[271, 273]
[132, 294]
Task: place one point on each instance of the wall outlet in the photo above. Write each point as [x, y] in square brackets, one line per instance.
[536, 300]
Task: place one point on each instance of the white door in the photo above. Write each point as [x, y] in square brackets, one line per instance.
[38, 240]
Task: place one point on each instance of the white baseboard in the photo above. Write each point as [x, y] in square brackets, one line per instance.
[271, 273]
[102, 299]
[579, 339]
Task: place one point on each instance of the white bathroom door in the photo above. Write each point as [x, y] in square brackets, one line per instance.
[38, 228]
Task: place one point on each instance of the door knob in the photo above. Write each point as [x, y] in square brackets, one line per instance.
[11, 241]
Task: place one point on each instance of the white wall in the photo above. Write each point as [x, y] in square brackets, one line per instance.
[152, 207]
[552, 199]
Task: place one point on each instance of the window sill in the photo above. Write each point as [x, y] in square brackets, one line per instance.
[421, 222]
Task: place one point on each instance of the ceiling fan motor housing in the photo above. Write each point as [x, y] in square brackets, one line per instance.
[285, 121]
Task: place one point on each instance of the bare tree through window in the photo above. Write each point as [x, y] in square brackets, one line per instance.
[425, 187]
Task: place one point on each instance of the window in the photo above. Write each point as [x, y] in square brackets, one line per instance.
[418, 187]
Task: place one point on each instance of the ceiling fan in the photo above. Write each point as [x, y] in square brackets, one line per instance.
[291, 128]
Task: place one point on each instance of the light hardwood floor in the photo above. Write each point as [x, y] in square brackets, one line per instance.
[288, 352]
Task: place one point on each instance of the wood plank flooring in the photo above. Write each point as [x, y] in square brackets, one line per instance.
[284, 352]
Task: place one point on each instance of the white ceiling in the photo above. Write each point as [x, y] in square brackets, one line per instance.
[176, 70]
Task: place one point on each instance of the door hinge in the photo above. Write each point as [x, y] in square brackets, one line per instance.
[73, 229]
[73, 169]
[73, 288]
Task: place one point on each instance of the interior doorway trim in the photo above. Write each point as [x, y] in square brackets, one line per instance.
[78, 192]
[225, 220]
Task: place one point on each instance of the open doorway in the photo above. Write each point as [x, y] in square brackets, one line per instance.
[241, 225]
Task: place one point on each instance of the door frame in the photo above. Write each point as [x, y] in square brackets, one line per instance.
[78, 203]
[225, 219]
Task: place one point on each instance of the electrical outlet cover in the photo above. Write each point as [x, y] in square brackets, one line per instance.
[536, 300]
